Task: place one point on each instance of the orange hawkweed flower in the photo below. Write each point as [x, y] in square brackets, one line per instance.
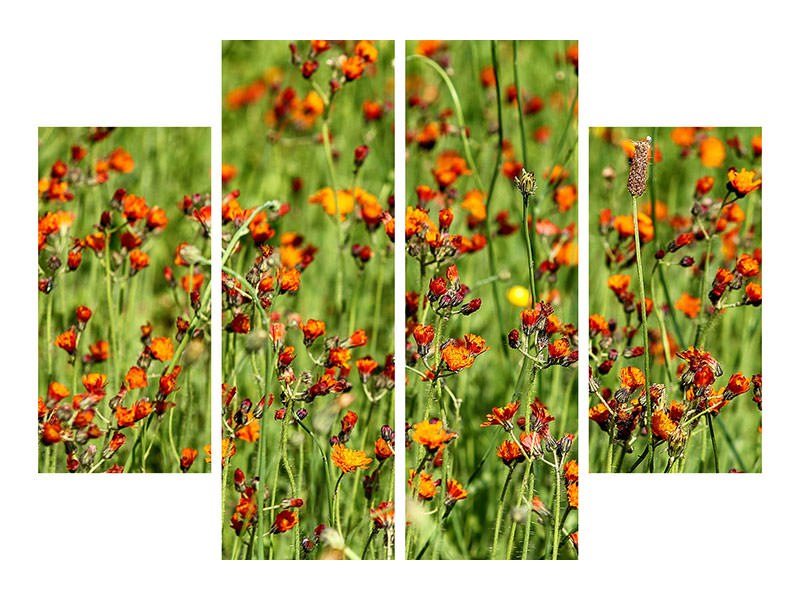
[382, 449]
[67, 341]
[457, 357]
[455, 492]
[502, 416]
[290, 280]
[752, 292]
[312, 330]
[662, 425]
[191, 283]
[509, 453]
[359, 338]
[325, 197]
[57, 391]
[432, 434]
[353, 67]
[565, 197]
[688, 305]
[747, 266]
[712, 152]
[474, 203]
[121, 161]
[187, 458]
[134, 208]
[631, 377]
[366, 51]
[743, 182]
[348, 460]
[139, 260]
[94, 383]
[426, 486]
[284, 521]
[135, 378]
[161, 348]
[572, 496]
[383, 515]
[703, 185]
[737, 384]
[619, 283]
[83, 313]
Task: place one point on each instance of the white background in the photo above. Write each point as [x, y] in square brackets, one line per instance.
[158, 63]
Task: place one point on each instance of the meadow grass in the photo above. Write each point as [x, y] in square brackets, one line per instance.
[445, 82]
[168, 164]
[681, 157]
[275, 142]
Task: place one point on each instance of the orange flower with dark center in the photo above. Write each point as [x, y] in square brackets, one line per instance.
[366, 51]
[134, 208]
[67, 341]
[432, 434]
[742, 182]
[348, 460]
[558, 349]
[353, 67]
[631, 377]
[753, 293]
[284, 521]
[688, 305]
[139, 260]
[599, 413]
[187, 458]
[502, 416]
[455, 492]
[161, 348]
[509, 452]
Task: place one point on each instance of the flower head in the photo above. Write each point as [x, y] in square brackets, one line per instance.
[349, 460]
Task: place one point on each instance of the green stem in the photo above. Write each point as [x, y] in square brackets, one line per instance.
[499, 516]
[112, 317]
[557, 507]
[645, 343]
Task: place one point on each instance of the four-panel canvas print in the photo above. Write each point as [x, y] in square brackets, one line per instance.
[298, 305]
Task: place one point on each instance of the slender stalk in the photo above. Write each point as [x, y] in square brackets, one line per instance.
[645, 343]
[557, 507]
[112, 316]
[498, 518]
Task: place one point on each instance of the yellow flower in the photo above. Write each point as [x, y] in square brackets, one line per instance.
[519, 296]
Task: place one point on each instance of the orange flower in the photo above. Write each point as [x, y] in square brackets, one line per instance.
[191, 283]
[752, 292]
[571, 472]
[67, 341]
[284, 521]
[624, 226]
[136, 378]
[353, 67]
[688, 305]
[474, 203]
[432, 434]
[161, 348]
[290, 280]
[599, 413]
[457, 357]
[349, 460]
[312, 330]
[572, 495]
[683, 136]
[565, 197]
[358, 338]
[383, 515]
[426, 486]
[449, 166]
[326, 199]
[712, 152]
[662, 425]
[619, 283]
[743, 182]
[509, 452]
[251, 431]
[703, 185]
[139, 260]
[382, 449]
[502, 416]
[228, 172]
[187, 458]
[319, 46]
[57, 391]
[455, 492]
[121, 161]
[747, 266]
[338, 357]
[94, 383]
[366, 51]
[631, 377]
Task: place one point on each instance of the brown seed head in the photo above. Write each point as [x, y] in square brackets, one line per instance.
[637, 179]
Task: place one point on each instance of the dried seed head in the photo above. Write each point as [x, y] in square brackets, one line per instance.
[637, 179]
